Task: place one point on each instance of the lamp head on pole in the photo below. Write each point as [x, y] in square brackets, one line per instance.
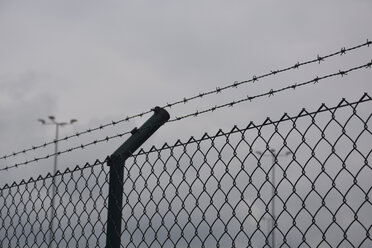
[42, 121]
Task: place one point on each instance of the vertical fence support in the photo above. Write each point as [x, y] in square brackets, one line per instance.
[116, 162]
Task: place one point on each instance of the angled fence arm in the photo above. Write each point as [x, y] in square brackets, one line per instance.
[116, 162]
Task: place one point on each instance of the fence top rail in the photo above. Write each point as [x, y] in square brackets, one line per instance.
[285, 117]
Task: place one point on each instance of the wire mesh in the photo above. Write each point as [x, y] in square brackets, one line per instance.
[301, 181]
[80, 212]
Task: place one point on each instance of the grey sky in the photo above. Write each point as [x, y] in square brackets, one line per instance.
[100, 61]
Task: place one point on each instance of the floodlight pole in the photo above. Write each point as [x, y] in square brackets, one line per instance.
[53, 210]
[52, 121]
[116, 162]
[274, 157]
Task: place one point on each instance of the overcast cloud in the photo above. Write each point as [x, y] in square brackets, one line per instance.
[101, 61]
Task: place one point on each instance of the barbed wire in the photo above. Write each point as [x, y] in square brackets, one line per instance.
[285, 117]
[272, 92]
[197, 113]
[185, 100]
[219, 182]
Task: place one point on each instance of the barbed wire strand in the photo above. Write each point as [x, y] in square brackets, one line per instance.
[185, 100]
[197, 113]
[285, 117]
[268, 121]
[272, 92]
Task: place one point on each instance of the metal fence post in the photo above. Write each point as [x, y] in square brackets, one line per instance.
[116, 162]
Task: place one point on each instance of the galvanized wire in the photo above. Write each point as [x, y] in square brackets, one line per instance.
[185, 100]
[217, 191]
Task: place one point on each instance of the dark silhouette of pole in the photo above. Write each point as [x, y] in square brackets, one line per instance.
[116, 162]
[274, 157]
[52, 121]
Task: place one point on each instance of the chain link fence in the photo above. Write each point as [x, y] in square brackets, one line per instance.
[301, 181]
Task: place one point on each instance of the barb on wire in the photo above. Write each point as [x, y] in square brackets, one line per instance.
[197, 113]
[185, 100]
